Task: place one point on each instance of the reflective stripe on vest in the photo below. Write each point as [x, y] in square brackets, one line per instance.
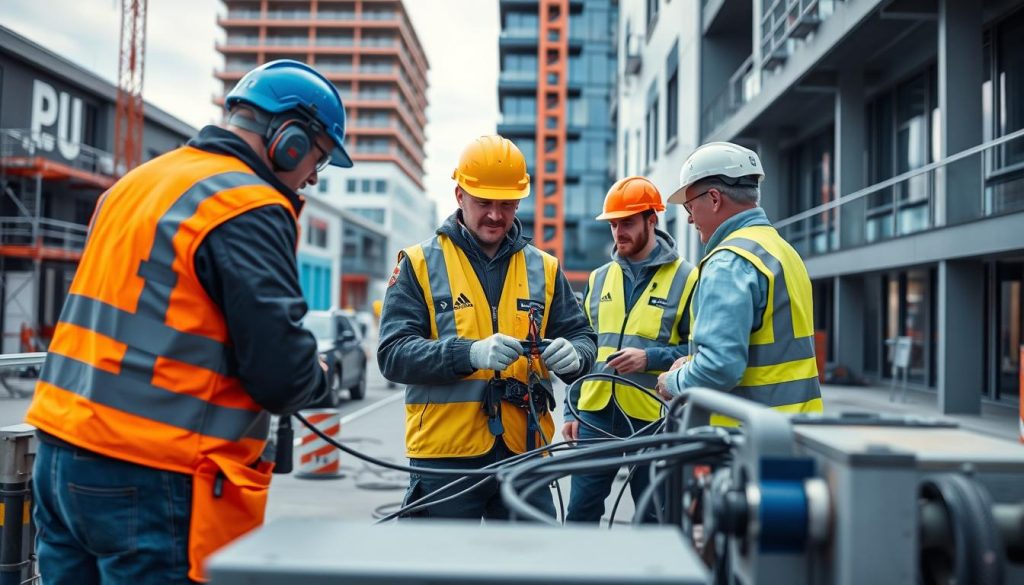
[653, 321]
[781, 369]
[447, 420]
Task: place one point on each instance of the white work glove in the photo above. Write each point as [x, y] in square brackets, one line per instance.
[561, 357]
[497, 352]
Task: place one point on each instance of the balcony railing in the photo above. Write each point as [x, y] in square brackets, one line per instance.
[289, 14]
[744, 84]
[52, 233]
[784, 21]
[23, 143]
[529, 76]
[242, 41]
[336, 15]
[917, 200]
[519, 33]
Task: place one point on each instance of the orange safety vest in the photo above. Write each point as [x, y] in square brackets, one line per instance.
[140, 366]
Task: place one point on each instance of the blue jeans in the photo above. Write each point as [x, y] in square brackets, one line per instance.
[484, 502]
[105, 521]
[589, 491]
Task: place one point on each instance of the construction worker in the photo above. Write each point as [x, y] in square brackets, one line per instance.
[460, 312]
[180, 335]
[752, 328]
[637, 305]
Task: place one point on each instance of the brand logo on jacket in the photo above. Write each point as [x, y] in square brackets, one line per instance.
[658, 302]
[526, 304]
[443, 305]
[463, 302]
[607, 298]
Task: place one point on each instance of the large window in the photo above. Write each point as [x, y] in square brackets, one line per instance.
[519, 67]
[651, 152]
[903, 130]
[516, 109]
[1003, 95]
[910, 312]
[812, 183]
[1009, 326]
[672, 97]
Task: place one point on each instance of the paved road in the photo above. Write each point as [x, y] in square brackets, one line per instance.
[375, 426]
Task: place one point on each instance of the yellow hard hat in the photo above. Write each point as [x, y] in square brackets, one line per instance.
[492, 167]
[630, 196]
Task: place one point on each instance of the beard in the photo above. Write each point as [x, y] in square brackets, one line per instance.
[630, 248]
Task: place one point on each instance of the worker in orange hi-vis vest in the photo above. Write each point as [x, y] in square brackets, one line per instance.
[180, 335]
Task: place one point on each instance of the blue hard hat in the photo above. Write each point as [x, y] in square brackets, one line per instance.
[284, 85]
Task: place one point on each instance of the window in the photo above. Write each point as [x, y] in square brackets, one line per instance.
[1003, 95]
[316, 234]
[519, 109]
[652, 15]
[903, 136]
[351, 184]
[373, 214]
[519, 67]
[380, 186]
[651, 153]
[521, 22]
[812, 183]
[672, 96]
[322, 184]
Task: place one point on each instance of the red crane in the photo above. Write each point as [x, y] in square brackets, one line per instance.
[128, 120]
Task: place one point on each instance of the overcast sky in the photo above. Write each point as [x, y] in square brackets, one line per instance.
[460, 38]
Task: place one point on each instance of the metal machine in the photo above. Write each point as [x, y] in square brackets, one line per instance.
[849, 500]
[860, 499]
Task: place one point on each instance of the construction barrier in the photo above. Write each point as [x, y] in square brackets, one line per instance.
[318, 459]
[17, 454]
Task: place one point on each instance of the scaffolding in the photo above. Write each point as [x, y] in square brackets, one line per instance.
[28, 238]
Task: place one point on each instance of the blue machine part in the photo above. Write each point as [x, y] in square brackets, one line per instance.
[782, 512]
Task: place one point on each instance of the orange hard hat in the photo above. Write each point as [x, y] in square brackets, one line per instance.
[630, 196]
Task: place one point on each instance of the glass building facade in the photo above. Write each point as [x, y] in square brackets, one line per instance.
[589, 160]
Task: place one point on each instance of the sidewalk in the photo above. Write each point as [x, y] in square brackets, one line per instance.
[997, 420]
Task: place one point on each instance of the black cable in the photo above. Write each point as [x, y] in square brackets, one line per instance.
[397, 467]
[495, 467]
[578, 461]
[648, 496]
[618, 498]
[613, 377]
[517, 502]
[632, 471]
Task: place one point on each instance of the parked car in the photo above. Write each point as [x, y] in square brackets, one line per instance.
[340, 344]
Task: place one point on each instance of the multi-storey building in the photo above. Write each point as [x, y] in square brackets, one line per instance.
[656, 101]
[557, 60]
[370, 51]
[892, 135]
[56, 158]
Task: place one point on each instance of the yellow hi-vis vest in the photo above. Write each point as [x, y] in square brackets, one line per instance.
[781, 369]
[447, 420]
[652, 322]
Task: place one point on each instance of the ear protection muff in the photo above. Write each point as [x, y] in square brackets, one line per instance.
[288, 144]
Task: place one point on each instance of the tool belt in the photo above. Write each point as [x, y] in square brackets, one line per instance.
[519, 394]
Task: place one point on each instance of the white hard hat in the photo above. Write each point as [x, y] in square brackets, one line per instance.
[718, 159]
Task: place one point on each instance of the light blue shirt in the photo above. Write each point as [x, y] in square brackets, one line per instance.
[728, 304]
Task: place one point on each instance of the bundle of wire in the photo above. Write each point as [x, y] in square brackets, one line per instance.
[521, 475]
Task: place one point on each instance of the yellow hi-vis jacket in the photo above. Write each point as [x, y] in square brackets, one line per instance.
[653, 321]
[781, 369]
[447, 420]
